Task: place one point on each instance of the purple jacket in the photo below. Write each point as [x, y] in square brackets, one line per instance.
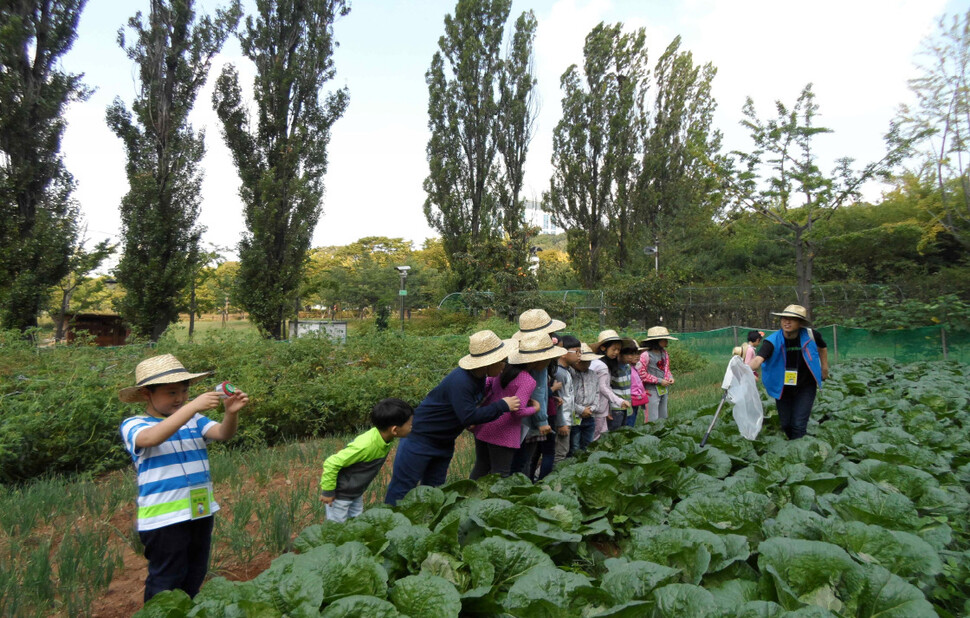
[506, 430]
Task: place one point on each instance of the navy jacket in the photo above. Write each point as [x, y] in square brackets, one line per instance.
[452, 406]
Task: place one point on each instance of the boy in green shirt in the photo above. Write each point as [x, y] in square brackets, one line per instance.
[347, 473]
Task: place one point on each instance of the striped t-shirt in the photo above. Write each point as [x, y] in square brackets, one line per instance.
[622, 385]
[165, 472]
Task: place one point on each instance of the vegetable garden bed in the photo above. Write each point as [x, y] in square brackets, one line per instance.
[867, 517]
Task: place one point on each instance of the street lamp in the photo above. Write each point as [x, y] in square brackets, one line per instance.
[534, 260]
[403, 271]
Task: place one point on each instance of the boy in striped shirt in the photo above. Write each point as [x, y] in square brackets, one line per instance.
[168, 447]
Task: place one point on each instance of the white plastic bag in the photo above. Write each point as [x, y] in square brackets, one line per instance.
[742, 391]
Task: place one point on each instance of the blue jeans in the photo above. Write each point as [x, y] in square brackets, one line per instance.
[342, 510]
[581, 435]
[178, 556]
[633, 415]
[417, 463]
[794, 408]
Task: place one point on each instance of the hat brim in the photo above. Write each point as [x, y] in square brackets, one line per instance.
[590, 357]
[518, 357]
[135, 394]
[471, 361]
[786, 314]
[658, 338]
[551, 327]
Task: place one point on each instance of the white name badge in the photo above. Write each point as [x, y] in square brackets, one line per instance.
[791, 378]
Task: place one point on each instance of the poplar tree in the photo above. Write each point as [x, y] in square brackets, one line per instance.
[480, 112]
[38, 224]
[598, 145]
[281, 160]
[173, 52]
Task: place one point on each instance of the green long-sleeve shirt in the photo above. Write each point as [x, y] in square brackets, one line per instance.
[347, 473]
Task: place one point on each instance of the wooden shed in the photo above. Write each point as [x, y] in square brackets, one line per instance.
[108, 328]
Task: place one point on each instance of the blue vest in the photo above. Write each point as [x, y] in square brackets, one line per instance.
[773, 369]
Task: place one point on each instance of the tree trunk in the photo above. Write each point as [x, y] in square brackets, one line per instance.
[192, 309]
[65, 305]
[804, 258]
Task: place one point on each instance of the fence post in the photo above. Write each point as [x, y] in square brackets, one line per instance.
[943, 339]
[735, 328]
[835, 340]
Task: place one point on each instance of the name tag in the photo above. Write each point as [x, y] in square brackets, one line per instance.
[200, 501]
[791, 378]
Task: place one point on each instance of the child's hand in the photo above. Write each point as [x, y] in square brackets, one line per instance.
[236, 402]
[563, 431]
[625, 405]
[556, 385]
[587, 412]
[545, 430]
[513, 403]
[609, 417]
[533, 404]
[207, 401]
[326, 499]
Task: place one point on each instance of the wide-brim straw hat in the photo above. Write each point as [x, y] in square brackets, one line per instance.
[586, 353]
[484, 349]
[609, 336]
[535, 347]
[657, 332]
[794, 311]
[537, 321]
[163, 369]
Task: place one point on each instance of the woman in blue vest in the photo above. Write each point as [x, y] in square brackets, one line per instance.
[792, 378]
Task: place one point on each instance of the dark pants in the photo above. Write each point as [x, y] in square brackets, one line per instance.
[794, 408]
[491, 459]
[633, 415]
[417, 463]
[619, 420]
[546, 451]
[581, 435]
[522, 461]
[178, 556]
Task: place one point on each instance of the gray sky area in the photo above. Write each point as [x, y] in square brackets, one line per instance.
[858, 53]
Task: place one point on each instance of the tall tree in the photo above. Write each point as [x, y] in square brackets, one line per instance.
[781, 181]
[81, 263]
[282, 160]
[480, 108]
[677, 191]
[517, 110]
[597, 146]
[173, 52]
[940, 120]
[37, 215]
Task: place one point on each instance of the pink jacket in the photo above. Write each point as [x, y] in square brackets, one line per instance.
[663, 364]
[506, 430]
[607, 396]
[638, 394]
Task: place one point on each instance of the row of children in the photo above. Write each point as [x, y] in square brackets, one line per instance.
[509, 393]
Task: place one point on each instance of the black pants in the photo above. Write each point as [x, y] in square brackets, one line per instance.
[178, 556]
[491, 459]
[794, 408]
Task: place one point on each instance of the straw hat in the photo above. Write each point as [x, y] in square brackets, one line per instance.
[658, 332]
[535, 347]
[609, 336]
[794, 311]
[164, 369]
[484, 349]
[586, 353]
[537, 321]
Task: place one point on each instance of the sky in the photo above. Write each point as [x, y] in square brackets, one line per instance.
[857, 53]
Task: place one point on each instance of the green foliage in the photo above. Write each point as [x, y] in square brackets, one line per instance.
[173, 52]
[282, 160]
[481, 113]
[819, 526]
[38, 218]
[642, 299]
[887, 313]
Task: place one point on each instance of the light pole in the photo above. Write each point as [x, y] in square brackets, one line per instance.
[403, 270]
[654, 250]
